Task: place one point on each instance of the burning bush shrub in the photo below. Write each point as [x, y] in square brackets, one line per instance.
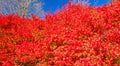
[75, 36]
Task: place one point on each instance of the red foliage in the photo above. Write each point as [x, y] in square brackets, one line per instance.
[75, 36]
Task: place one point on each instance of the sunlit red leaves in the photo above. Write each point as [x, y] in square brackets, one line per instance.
[75, 36]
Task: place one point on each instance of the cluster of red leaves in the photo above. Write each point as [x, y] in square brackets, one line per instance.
[76, 36]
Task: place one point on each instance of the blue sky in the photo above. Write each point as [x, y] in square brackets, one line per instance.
[53, 5]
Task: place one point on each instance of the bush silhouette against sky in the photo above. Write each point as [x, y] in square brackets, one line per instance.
[53, 5]
[9, 6]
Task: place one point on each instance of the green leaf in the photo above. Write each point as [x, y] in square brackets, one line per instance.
[116, 61]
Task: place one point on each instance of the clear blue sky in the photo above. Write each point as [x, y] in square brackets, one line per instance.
[53, 5]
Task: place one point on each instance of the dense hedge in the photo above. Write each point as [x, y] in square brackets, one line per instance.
[75, 36]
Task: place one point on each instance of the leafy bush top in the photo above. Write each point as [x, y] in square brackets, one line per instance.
[75, 36]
